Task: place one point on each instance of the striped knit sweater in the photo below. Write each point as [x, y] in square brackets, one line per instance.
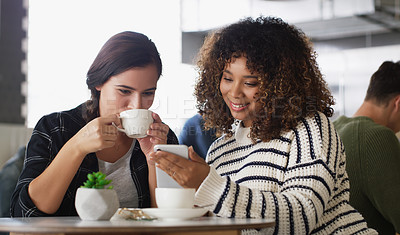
[299, 180]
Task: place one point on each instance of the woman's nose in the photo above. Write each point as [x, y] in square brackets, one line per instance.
[235, 90]
[135, 103]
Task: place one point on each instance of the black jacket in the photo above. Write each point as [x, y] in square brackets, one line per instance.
[48, 137]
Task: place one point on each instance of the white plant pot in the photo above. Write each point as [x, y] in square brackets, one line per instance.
[96, 204]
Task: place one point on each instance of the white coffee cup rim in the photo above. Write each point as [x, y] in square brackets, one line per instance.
[125, 113]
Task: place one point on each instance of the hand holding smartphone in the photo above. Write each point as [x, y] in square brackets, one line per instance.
[163, 179]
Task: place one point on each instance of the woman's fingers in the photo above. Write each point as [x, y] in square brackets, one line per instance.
[107, 129]
[167, 162]
[156, 118]
[194, 156]
[187, 173]
[158, 133]
[158, 128]
[169, 159]
[98, 134]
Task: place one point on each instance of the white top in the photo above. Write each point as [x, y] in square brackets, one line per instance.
[120, 174]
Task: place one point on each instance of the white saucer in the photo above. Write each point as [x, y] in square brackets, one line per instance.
[175, 214]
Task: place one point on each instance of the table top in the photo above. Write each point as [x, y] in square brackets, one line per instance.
[76, 225]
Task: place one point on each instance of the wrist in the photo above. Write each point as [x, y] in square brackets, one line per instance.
[151, 164]
[75, 148]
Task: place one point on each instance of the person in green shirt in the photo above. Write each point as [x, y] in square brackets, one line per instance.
[373, 151]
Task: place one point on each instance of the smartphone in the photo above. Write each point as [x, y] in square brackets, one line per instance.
[163, 179]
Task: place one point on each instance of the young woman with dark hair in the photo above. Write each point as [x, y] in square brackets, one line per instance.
[66, 146]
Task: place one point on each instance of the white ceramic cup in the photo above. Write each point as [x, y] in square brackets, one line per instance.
[173, 198]
[135, 122]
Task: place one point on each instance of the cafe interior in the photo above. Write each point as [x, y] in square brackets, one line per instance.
[351, 38]
[46, 48]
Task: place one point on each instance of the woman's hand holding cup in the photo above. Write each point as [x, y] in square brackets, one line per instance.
[96, 135]
[135, 122]
[144, 125]
[156, 134]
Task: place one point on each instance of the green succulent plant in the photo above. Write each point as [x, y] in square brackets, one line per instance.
[96, 180]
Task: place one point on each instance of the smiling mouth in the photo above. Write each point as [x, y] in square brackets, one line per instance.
[238, 107]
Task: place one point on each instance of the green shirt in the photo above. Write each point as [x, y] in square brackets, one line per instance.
[373, 167]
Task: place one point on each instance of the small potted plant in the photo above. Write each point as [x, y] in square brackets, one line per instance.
[95, 202]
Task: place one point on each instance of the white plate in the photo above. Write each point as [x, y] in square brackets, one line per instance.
[175, 214]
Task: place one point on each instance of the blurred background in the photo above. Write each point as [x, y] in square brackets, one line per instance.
[47, 46]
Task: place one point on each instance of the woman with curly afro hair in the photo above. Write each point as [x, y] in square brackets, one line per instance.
[279, 156]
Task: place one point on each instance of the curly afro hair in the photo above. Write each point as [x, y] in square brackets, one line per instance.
[291, 85]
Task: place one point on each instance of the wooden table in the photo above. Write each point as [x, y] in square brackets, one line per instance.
[76, 226]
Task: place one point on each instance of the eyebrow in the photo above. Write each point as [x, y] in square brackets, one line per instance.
[131, 88]
[247, 76]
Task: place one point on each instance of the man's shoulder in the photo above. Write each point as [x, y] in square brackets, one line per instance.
[344, 122]
[363, 127]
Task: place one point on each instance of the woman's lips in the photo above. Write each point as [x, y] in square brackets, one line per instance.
[238, 107]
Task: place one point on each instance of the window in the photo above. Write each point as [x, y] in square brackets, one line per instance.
[66, 35]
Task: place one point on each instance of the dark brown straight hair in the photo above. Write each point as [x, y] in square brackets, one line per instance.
[121, 52]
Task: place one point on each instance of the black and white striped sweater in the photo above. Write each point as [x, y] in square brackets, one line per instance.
[299, 180]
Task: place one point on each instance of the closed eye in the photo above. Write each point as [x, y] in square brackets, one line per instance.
[148, 93]
[251, 84]
[125, 92]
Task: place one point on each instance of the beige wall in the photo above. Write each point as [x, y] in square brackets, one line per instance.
[12, 137]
